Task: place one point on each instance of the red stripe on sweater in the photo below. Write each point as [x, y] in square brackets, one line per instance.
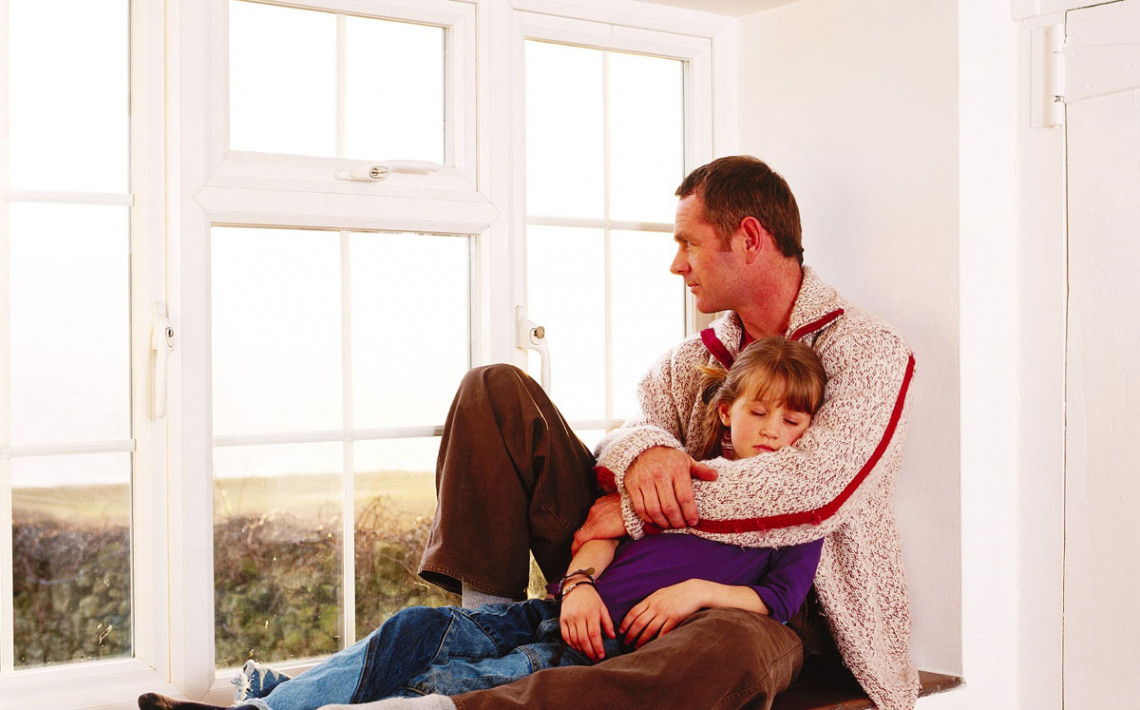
[815, 324]
[817, 516]
[606, 479]
[721, 353]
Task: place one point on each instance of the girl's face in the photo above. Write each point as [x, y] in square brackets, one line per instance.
[758, 426]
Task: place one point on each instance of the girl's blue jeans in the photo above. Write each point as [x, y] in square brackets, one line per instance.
[424, 650]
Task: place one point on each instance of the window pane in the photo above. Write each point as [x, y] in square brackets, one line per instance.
[71, 558]
[277, 551]
[648, 310]
[646, 117]
[276, 330]
[566, 294]
[564, 128]
[395, 502]
[68, 87]
[411, 339]
[394, 90]
[70, 320]
[282, 80]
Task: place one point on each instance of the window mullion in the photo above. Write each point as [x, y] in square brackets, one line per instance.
[341, 87]
[348, 514]
[7, 619]
[606, 240]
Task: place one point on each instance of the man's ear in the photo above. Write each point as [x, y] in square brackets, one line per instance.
[723, 410]
[755, 238]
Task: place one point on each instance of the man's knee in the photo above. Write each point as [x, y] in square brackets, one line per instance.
[492, 377]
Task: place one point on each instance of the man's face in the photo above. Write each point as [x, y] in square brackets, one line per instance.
[710, 271]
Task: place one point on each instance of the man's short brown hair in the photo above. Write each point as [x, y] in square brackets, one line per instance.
[740, 186]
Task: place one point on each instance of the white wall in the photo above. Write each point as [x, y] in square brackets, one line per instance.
[856, 104]
[905, 130]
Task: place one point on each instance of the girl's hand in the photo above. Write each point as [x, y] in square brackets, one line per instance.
[584, 618]
[662, 611]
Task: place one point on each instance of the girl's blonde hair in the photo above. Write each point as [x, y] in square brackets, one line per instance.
[773, 369]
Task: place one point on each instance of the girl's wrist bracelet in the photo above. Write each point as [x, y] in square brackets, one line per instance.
[585, 582]
[588, 573]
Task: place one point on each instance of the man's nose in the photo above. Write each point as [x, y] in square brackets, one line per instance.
[678, 266]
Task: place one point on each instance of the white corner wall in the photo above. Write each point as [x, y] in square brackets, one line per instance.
[856, 104]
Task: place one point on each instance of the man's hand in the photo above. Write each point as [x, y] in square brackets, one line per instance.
[659, 483]
[603, 523]
[661, 611]
[583, 619]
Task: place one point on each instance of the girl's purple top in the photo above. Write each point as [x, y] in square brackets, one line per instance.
[781, 576]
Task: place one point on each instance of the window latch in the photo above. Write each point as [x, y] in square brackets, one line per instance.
[532, 336]
[375, 172]
[161, 345]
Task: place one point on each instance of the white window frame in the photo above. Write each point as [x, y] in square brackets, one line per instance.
[233, 188]
[261, 171]
[216, 191]
[100, 682]
[696, 54]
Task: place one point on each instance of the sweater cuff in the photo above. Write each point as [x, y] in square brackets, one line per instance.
[633, 524]
[620, 454]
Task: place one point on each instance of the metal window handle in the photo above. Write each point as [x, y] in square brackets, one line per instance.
[374, 172]
[161, 345]
[532, 336]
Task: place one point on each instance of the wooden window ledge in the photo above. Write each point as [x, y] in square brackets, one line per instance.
[818, 690]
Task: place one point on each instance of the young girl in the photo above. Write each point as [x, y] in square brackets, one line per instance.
[763, 403]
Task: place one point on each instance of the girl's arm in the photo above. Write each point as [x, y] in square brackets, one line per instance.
[662, 611]
[584, 616]
[779, 593]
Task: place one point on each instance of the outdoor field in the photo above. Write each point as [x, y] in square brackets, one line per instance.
[277, 565]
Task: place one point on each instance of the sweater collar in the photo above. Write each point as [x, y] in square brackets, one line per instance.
[816, 306]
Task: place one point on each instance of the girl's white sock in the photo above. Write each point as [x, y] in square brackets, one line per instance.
[473, 598]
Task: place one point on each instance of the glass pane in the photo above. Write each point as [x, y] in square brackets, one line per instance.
[564, 129]
[394, 90]
[566, 294]
[648, 306]
[277, 551]
[590, 437]
[282, 80]
[70, 320]
[402, 283]
[69, 79]
[647, 152]
[71, 558]
[395, 502]
[276, 330]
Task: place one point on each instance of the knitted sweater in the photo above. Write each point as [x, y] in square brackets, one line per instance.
[836, 482]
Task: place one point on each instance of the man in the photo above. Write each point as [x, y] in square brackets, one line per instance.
[512, 477]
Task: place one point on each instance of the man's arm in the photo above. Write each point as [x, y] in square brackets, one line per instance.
[649, 446]
[801, 492]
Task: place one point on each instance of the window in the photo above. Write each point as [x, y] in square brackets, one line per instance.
[329, 388]
[319, 83]
[339, 330]
[66, 432]
[266, 489]
[605, 151]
